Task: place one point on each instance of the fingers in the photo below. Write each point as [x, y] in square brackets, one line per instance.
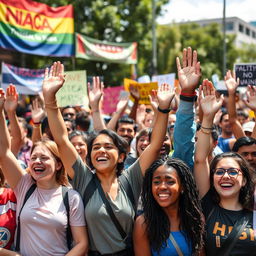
[195, 59]
[178, 63]
[184, 59]
[189, 56]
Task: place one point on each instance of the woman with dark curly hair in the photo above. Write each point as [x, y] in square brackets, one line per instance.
[172, 219]
[226, 189]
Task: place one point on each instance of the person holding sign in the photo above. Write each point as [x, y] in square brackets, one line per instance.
[110, 203]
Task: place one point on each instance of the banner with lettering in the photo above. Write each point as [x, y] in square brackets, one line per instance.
[92, 49]
[27, 81]
[74, 90]
[36, 28]
[110, 99]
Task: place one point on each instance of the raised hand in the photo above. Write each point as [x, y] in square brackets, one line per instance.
[53, 80]
[165, 95]
[95, 93]
[122, 103]
[134, 92]
[11, 101]
[153, 100]
[2, 99]
[189, 74]
[207, 99]
[231, 82]
[37, 111]
[250, 102]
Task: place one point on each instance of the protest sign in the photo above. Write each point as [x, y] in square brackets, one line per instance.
[36, 28]
[167, 78]
[246, 73]
[144, 89]
[144, 79]
[111, 98]
[27, 81]
[74, 90]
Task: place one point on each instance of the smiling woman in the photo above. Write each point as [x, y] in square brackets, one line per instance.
[171, 211]
[226, 188]
[43, 218]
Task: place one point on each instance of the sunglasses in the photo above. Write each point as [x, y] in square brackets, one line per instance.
[232, 172]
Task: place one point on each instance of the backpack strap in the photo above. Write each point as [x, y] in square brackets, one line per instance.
[68, 229]
[89, 190]
[128, 189]
[28, 194]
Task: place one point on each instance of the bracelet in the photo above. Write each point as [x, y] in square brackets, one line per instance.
[205, 132]
[188, 94]
[211, 128]
[36, 123]
[164, 111]
[51, 105]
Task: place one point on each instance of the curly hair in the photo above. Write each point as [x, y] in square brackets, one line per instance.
[190, 212]
[118, 141]
[246, 192]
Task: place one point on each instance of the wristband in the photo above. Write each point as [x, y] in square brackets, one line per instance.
[188, 94]
[164, 111]
[206, 128]
[205, 132]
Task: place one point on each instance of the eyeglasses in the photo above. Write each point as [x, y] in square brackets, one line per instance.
[232, 172]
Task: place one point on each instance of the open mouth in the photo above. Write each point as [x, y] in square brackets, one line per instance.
[163, 196]
[101, 159]
[38, 169]
[226, 185]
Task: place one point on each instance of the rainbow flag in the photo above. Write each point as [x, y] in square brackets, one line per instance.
[36, 28]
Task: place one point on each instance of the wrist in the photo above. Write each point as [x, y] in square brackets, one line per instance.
[164, 110]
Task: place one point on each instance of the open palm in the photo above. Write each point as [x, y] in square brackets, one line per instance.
[53, 79]
[11, 101]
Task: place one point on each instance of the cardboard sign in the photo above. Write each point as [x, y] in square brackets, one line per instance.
[168, 78]
[144, 89]
[246, 73]
[74, 90]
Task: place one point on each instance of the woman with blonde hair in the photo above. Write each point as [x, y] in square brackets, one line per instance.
[43, 216]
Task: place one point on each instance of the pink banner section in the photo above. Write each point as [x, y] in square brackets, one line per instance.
[111, 97]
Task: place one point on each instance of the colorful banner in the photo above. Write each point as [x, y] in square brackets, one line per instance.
[110, 99]
[92, 49]
[27, 81]
[144, 89]
[36, 28]
[74, 90]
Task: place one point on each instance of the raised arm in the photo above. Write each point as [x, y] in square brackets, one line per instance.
[10, 106]
[165, 96]
[120, 108]
[232, 83]
[251, 103]
[53, 81]
[184, 130]
[9, 164]
[136, 96]
[38, 114]
[210, 106]
[95, 94]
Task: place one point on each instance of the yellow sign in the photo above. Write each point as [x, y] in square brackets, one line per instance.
[144, 89]
[74, 90]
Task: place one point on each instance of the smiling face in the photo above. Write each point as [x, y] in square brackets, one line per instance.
[166, 187]
[228, 186]
[80, 146]
[142, 143]
[43, 165]
[104, 154]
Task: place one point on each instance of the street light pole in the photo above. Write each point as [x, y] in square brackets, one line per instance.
[224, 39]
[154, 52]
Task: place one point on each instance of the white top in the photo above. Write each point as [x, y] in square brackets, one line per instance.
[44, 219]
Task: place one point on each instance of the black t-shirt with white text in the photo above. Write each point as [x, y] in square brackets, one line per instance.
[220, 223]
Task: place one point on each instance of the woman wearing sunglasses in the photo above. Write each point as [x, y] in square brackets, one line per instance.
[226, 189]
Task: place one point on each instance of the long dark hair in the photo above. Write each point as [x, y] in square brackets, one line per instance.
[246, 192]
[191, 218]
[118, 141]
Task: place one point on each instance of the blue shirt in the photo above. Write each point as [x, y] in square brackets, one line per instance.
[170, 250]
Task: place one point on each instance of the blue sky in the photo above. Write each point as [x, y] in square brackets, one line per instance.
[184, 10]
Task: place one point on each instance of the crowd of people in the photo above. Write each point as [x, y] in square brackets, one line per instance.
[173, 178]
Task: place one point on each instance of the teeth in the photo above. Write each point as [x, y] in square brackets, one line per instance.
[101, 159]
[37, 169]
[226, 185]
[163, 195]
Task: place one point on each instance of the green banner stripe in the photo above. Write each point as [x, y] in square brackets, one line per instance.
[31, 36]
